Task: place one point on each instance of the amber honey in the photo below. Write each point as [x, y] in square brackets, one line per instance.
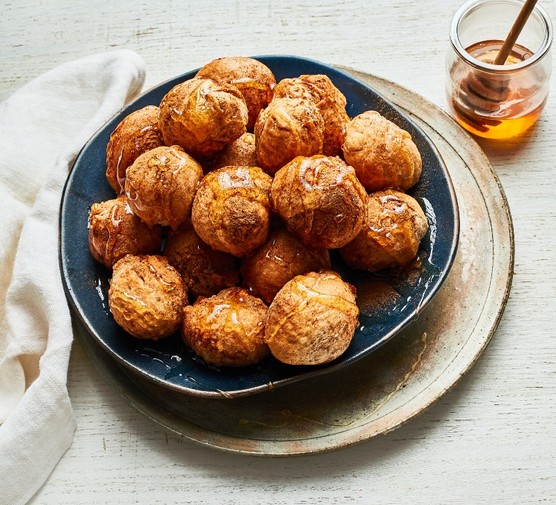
[496, 105]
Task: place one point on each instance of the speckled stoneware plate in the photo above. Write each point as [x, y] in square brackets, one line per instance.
[388, 302]
[389, 386]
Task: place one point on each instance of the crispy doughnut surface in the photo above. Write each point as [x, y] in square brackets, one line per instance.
[161, 184]
[253, 79]
[136, 133]
[330, 102]
[312, 319]
[279, 260]
[146, 296]
[202, 116]
[287, 128]
[204, 270]
[240, 152]
[382, 154]
[394, 227]
[114, 231]
[231, 211]
[320, 200]
[226, 329]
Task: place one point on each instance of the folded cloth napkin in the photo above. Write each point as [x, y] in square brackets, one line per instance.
[42, 128]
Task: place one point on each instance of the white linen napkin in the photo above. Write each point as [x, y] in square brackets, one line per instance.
[42, 128]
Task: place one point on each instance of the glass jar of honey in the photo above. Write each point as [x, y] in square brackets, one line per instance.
[497, 100]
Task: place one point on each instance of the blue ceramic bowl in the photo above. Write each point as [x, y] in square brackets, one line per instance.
[388, 301]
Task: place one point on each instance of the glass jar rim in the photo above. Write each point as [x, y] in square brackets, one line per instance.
[458, 47]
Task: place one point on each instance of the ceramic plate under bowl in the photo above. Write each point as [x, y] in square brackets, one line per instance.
[388, 301]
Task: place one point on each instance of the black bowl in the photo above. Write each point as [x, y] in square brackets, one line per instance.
[388, 301]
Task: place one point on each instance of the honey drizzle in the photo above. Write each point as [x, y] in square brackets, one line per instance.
[503, 118]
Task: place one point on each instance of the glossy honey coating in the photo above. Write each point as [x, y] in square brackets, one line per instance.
[204, 270]
[136, 133]
[161, 184]
[383, 154]
[320, 200]
[114, 231]
[240, 152]
[287, 128]
[146, 296]
[302, 125]
[279, 260]
[202, 116]
[394, 227]
[253, 79]
[312, 319]
[226, 329]
[231, 211]
[329, 100]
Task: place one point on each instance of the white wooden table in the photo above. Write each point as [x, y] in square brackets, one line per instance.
[491, 439]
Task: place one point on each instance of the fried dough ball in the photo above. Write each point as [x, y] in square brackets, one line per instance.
[202, 116]
[383, 154]
[204, 270]
[136, 133]
[226, 329]
[239, 153]
[394, 226]
[287, 128]
[161, 184]
[146, 296]
[279, 260]
[254, 80]
[320, 200]
[312, 319]
[115, 231]
[330, 101]
[231, 210]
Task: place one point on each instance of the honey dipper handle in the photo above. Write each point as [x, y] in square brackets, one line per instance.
[518, 25]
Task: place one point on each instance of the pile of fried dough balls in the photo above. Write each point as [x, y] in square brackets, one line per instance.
[230, 195]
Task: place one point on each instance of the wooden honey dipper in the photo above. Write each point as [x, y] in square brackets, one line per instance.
[484, 92]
